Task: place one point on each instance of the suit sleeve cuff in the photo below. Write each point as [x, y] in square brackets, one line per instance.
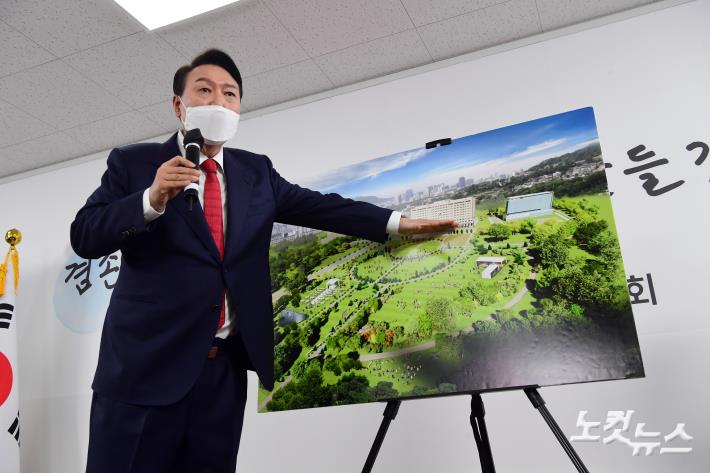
[393, 223]
[149, 213]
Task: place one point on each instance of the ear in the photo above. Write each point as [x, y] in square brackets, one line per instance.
[176, 106]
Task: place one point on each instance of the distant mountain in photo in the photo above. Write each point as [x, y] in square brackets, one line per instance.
[568, 160]
[372, 199]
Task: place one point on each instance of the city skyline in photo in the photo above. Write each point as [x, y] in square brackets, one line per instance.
[479, 157]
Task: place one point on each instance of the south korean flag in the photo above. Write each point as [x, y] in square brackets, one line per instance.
[9, 401]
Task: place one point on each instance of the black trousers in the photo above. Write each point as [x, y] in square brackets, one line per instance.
[198, 434]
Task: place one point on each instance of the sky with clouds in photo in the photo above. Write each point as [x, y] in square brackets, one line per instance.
[480, 156]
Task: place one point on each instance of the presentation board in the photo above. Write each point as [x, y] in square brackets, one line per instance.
[528, 290]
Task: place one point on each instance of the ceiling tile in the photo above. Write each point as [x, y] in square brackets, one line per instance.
[161, 114]
[247, 30]
[323, 26]
[559, 13]
[424, 12]
[43, 151]
[116, 131]
[17, 126]
[286, 83]
[481, 29]
[59, 95]
[137, 79]
[64, 27]
[18, 52]
[375, 58]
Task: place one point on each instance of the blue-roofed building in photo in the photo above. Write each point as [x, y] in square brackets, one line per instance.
[529, 205]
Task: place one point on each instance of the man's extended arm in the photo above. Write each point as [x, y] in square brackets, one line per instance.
[304, 207]
[296, 205]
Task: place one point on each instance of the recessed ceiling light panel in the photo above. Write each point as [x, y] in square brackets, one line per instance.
[156, 13]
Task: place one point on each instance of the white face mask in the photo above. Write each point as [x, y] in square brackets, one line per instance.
[216, 123]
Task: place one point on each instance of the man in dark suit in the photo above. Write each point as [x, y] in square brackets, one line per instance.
[191, 310]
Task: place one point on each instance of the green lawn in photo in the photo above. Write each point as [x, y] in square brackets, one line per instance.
[602, 202]
[372, 269]
[339, 256]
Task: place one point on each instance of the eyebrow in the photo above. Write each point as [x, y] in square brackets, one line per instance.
[205, 79]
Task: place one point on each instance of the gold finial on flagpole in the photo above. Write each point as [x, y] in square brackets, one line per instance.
[13, 237]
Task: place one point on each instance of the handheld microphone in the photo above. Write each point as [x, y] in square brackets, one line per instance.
[193, 143]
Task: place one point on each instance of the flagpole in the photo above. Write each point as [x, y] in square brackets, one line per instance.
[9, 394]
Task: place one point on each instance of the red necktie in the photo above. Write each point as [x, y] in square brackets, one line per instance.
[213, 214]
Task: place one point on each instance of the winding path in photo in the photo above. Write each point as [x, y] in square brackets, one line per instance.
[396, 353]
[267, 399]
[342, 261]
[524, 290]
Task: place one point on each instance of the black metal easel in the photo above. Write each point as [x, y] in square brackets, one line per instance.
[539, 403]
[480, 433]
[388, 416]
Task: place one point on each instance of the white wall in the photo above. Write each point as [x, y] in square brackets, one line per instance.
[647, 79]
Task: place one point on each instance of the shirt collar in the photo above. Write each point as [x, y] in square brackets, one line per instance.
[219, 157]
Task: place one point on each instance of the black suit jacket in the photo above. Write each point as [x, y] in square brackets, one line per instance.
[164, 309]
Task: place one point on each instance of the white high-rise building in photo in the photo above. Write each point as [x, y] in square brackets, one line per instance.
[461, 210]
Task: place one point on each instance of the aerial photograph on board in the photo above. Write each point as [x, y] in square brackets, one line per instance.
[529, 290]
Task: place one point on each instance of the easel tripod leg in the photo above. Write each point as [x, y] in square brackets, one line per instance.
[480, 434]
[539, 403]
[388, 416]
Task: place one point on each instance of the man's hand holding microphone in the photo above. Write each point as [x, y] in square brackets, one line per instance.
[171, 178]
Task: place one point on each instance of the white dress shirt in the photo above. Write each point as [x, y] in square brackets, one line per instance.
[150, 214]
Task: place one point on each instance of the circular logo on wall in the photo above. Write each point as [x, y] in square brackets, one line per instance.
[83, 289]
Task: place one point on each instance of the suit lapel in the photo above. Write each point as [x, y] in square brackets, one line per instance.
[239, 186]
[195, 218]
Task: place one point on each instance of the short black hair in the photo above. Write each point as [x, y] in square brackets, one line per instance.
[214, 57]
